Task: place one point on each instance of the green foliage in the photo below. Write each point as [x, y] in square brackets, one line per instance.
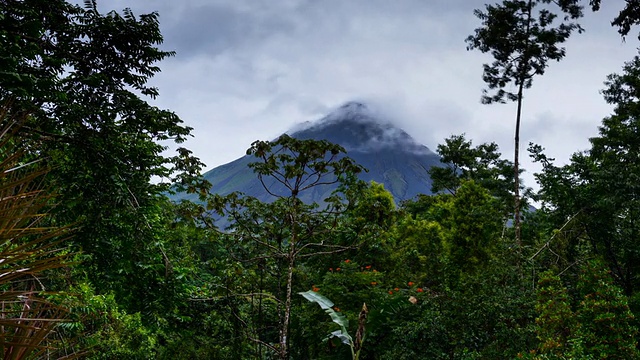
[83, 77]
[607, 328]
[463, 308]
[275, 237]
[342, 334]
[469, 225]
[300, 165]
[556, 320]
[375, 206]
[487, 316]
[600, 186]
[625, 19]
[601, 327]
[83, 74]
[417, 245]
[482, 164]
[106, 331]
[158, 280]
[522, 40]
[475, 222]
[336, 317]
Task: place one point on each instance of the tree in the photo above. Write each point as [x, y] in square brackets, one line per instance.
[276, 236]
[416, 252]
[626, 18]
[601, 184]
[556, 321]
[522, 40]
[375, 207]
[607, 328]
[481, 163]
[83, 76]
[602, 327]
[474, 223]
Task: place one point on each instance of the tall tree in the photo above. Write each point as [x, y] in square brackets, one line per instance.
[522, 36]
[83, 76]
[274, 237]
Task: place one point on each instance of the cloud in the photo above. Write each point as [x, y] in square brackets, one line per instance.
[212, 29]
[251, 69]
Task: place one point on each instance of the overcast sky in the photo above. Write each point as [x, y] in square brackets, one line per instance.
[251, 69]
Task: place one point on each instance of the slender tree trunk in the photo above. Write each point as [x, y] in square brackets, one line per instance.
[260, 322]
[516, 167]
[284, 328]
[516, 158]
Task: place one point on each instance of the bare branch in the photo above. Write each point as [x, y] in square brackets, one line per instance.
[338, 249]
[546, 245]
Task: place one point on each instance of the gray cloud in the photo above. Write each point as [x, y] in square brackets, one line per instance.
[251, 69]
[214, 28]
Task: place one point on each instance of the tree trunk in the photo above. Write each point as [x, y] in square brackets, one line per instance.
[516, 167]
[284, 327]
[516, 158]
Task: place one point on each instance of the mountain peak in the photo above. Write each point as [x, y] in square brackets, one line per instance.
[358, 127]
[354, 107]
[352, 110]
[393, 157]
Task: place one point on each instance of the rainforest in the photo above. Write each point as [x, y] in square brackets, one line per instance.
[101, 260]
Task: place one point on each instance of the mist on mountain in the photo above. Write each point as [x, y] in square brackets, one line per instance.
[391, 156]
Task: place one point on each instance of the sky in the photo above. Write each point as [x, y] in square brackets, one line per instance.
[249, 70]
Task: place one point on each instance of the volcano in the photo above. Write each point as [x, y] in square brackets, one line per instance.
[391, 156]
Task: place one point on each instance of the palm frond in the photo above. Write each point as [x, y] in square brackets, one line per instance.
[29, 247]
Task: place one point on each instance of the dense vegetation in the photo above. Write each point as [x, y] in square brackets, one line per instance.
[96, 262]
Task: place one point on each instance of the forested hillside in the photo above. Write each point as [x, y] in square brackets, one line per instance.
[97, 263]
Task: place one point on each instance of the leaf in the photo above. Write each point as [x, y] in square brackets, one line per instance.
[344, 337]
[317, 298]
[28, 248]
[327, 305]
[338, 318]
